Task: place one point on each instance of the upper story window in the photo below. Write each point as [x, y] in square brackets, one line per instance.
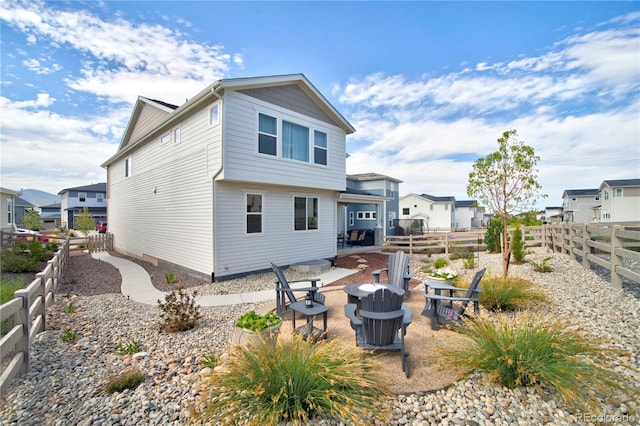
[618, 192]
[286, 139]
[606, 194]
[295, 141]
[405, 210]
[305, 213]
[165, 138]
[9, 211]
[82, 197]
[267, 134]
[176, 135]
[127, 167]
[320, 147]
[254, 213]
[214, 114]
[99, 197]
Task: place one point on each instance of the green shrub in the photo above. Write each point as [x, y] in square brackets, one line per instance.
[129, 348]
[130, 379]
[8, 287]
[518, 249]
[292, 382]
[469, 261]
[492, 236]
[15, 261]
[440, 262]
[70, 308]
[508, 293]
[252, 321]
[170, 277]
[543, 266]
[179, 312]
[529, 350]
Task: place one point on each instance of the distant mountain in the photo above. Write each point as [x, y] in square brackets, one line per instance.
[39, 198]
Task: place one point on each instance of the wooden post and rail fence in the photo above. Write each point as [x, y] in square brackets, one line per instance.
[24, 317]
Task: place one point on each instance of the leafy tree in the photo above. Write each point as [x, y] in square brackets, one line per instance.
[506, 182]
[529, 218]
[85, 222]
[32, 220]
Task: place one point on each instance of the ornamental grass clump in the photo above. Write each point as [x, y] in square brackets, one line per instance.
[528, 350]
[293, 383]
[509, 294]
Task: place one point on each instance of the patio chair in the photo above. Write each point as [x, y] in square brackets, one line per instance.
[449, 310]
[284, 290]
[382, 324]
[355, 238]
[398, 271]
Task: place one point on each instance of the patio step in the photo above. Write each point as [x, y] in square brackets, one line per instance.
[312, 266]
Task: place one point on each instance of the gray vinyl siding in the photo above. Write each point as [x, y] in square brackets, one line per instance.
[242, 162]
[290, 97]
[148, 119]
[239, 252]
[165, 208]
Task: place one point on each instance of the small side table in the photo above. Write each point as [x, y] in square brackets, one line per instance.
[308, 330]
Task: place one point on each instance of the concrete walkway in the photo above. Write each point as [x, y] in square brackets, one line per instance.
[136, 285]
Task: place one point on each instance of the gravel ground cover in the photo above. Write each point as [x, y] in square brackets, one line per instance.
[66, 382]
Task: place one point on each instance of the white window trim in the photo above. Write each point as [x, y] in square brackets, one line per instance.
[214, 120]
[362, 215]
[293, 207]
[82, 195]
[166, 137]
[128, 167]
[246, 213]
[177, 134]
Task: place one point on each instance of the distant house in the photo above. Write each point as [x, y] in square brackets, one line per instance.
[22, 206]
[247, 172]
[552, 215]
[578, 204]
[383, 212]
[619, 201]
[50, 215]
[468, 214]
[7, 209]
[428, 212]
[74, 200]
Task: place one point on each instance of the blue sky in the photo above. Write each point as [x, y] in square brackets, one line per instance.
[429, 86]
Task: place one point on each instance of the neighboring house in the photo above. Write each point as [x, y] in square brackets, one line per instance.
[468, 214]
[619, 201]
[428, 212]
[74, 200]
[247, 172]
[370, 216]
[22, 206]
[7, 209]
[50, 215]
[552, 215]
[578, 204]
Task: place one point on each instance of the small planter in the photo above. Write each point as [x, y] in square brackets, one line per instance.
[441, 280]
[252, 327]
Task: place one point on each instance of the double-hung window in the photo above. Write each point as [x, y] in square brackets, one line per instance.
[82, 197]
[305, 213]
[319, 147]
[254, 213]
[267, 134]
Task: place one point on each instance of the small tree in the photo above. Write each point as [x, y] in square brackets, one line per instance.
[85, 222]
[506, 181]
[32, 220]
[492, 235]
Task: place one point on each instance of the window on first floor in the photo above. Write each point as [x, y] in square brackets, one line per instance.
[305, 213]
[367, 215]
[351, 219]
[9, 212]
[254, 213]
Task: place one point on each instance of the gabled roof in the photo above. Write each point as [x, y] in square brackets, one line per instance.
[439, 199]
[466, 203]
[372, 176]
[51, 206]
[217, 90]
[94, 187]
[620, 183]
[9, 191]
[18, 201]
[579, 192]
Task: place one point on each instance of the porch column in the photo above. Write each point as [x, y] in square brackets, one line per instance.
[378, 232]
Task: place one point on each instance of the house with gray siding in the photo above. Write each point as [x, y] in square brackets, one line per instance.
[619, 201]
[247, 172]
[22, 206]
[578, 204]
[379, 214]
[7, 209]
[74, 200]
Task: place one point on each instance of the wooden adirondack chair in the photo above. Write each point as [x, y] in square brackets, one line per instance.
[398, 271]
[382, 324]
[450, 309]
[284, 290]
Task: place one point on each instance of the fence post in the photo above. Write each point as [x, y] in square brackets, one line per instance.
[586, 249]
[616, 280]
[25, 319]
[446, 242]
[572, 244]
[42, 292]
[410, 244]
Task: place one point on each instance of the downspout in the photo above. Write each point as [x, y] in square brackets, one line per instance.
[214, 186]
